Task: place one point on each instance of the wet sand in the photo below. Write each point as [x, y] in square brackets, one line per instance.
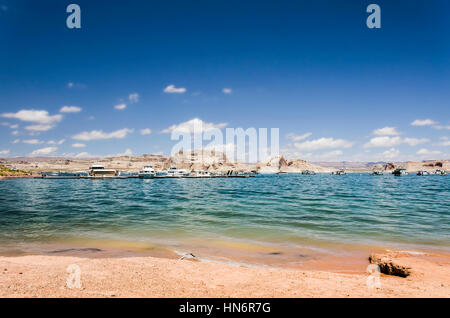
[145, 276]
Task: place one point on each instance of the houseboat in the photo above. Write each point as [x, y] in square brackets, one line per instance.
[99, 172]
[308, 172]
[423, 173]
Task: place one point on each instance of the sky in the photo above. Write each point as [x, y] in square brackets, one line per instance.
[138, 70]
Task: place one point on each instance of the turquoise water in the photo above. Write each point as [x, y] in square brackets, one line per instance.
[276, 209]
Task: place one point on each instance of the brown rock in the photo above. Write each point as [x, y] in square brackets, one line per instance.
[389, 265]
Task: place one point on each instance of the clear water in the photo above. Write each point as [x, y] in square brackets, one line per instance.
[274, 209]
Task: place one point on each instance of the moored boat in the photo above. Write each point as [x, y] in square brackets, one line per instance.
[60, 175]
[423, 173]
[99, 172]
[147, 172]
[400, 172]
[199, 174]
[174, 172]
[308, 172]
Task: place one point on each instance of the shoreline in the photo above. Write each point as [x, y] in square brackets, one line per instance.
[328, 257]
[46, 276]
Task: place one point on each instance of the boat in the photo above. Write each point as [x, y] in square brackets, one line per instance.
[423, 173]
[147, 173]
[400, 172]
[174, 172]
[308, 172]
[440, 172]
[377, 173]
[99, 172]
[339, 172]
[199, 174]
[128, 174]
[60, 175]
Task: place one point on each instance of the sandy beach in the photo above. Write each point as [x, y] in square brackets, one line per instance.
[46, 276]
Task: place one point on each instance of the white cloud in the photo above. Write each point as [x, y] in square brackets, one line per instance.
[386, 131]
[133, 98]
[173, 89]
[15, 133]
[295, 137]
[44, 151]
[35, 116]
[75, 85]
[85, 155]
[127, 152]
[423, 122]
[427, 152]
[120, 106]
[415, 141]
[16, 141]
[99, 134]
[444, 143]
[192, 125]
[146, 131]
[227, 90]
[330, 155]
[384, 141]
[15, 126]
[70, 109]
[39, 127]
[78, 145]
[33, 142]
[5, 152]
[440, 127]
[60, 142]
[390, 154]
[323, 143]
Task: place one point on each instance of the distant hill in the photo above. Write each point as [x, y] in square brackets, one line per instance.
[211, 162]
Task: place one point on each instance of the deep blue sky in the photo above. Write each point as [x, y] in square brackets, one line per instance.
[302, 66]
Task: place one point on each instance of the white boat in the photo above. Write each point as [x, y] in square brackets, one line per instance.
[423, 173]
[174, 172]
[147, 172]
[200, 174]
[99, 171]
[400, 172]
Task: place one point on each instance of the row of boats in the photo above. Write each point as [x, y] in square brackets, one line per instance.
[403, 172]
[396, 172]
[147, 172]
